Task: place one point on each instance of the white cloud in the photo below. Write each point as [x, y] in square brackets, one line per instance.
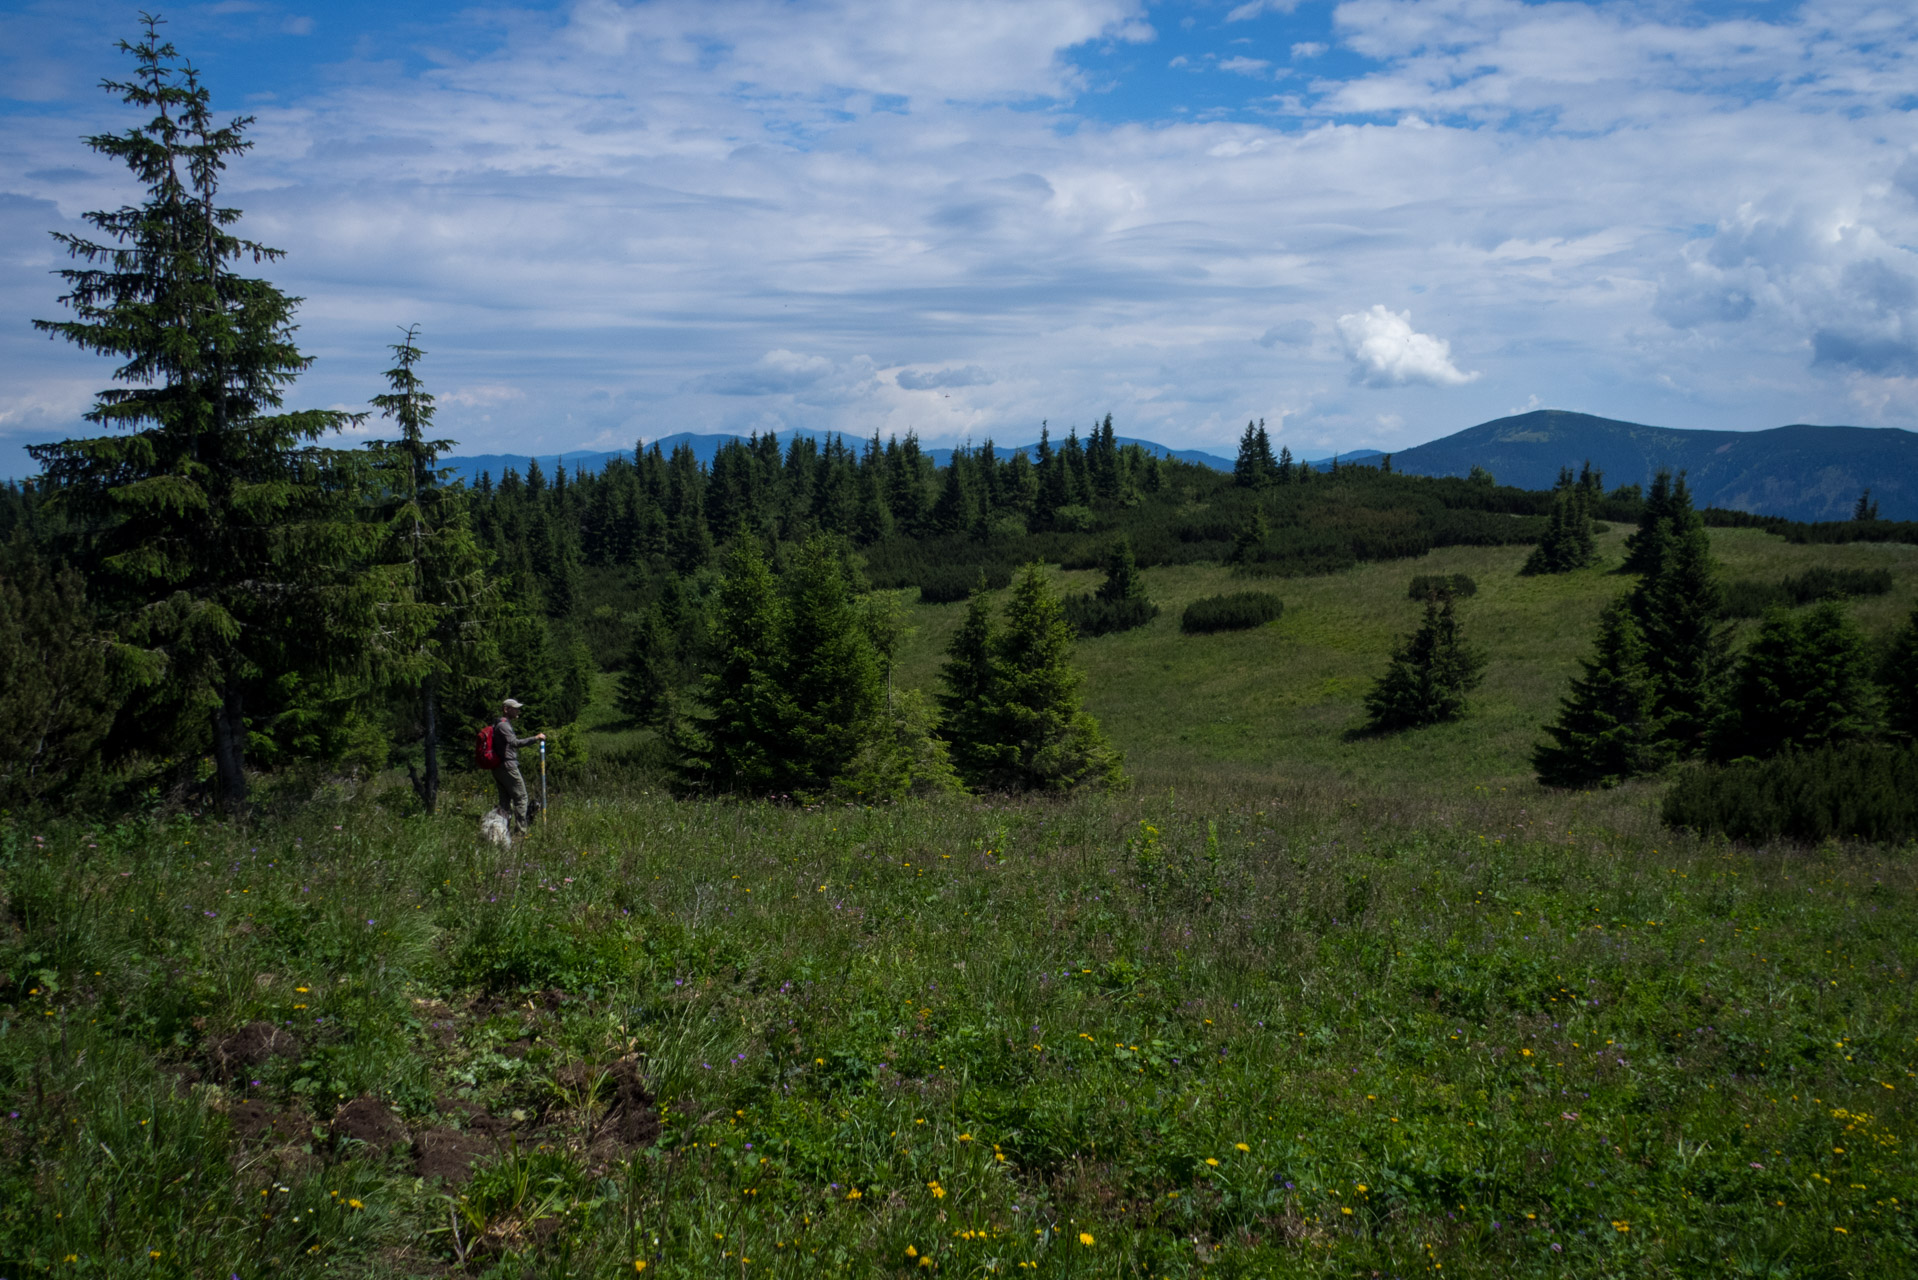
[1244, 66]
[934, 379]
[1305, 49]
[1258, 8]
[1387, 352]
[649, 217]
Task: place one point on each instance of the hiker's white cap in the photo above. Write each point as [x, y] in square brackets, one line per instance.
[513, 704]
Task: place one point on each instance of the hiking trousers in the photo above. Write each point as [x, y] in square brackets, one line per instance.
[512, 794]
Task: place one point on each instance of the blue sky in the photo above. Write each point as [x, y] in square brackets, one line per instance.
[1370, 223]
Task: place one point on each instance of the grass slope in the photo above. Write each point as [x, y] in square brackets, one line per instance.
[1235, 1035]
[1281, 704]
[1303, 1002]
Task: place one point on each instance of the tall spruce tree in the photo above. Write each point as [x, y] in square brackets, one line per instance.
[218, 530]
[1803, 683]
[1430, 673]
[439, 601]
[727, 743]
[1678, 608]
[1607, 728]
[1013, 714]
[828, 672]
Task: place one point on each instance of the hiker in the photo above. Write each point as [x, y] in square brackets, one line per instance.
[512, 787]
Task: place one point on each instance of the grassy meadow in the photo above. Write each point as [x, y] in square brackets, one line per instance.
[1301, 1002]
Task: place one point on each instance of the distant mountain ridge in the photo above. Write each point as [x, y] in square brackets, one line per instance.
[1801, 472]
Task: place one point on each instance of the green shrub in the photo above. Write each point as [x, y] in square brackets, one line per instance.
[1091, 616]
[1235, 612]
[1866, 791]
[1750, 597]
[1430, 586]
[950, 583]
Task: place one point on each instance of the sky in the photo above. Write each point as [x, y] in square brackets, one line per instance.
[1368, 223]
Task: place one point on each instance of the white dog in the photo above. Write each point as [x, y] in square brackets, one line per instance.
[494, 831]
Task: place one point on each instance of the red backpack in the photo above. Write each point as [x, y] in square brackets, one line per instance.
[485, 754]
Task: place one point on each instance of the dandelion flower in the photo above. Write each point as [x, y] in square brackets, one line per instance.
[354, 1204]
[1214, 1163]
[1240, 1146]
[911, 1252]
[1085, 1238]
[639, 1264]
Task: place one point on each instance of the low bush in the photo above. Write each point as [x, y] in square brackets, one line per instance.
[956, 582]
[1431, 586]
[1091, 616]
[1235, 612]
[1750, 597]
[1867, 791]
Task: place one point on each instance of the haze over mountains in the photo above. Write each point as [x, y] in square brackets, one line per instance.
[1801, 472]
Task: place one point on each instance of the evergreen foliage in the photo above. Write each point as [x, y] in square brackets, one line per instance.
[1120, 604]
[1237, 611]
[1899, 676]
[1012, 711]
[1569, 542]
[1428, 586]
[1865, 791]
[1750, 597]
[1430, 673]
[1677, 607]
[1607, 729]
[729, 740]
[1803, 684]
[214, 520]
[57, 682]
[1642, 548]
[438, 603]
[1255, 466]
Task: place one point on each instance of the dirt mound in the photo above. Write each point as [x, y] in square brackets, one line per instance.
[367, 1119]
[253, 1045]
[450, 1154]
[634, 1115]
[255, 1121]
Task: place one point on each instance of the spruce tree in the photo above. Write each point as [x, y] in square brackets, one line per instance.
[218, 531]
[1246, 472]
[648, 684]
[828, 673]
[58, 681]
[1607, 729]
[439, 600]
[1013, 717]
[1899, 675]
[1249, 543]
[1430, 673]
[1568, 543]
[740, 712]
[1122, 575]
[1866, 509]
[1804, 683]
[1678, 610]
[1642, 548]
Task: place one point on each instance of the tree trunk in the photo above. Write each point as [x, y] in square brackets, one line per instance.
[229, 751]
[430, 786]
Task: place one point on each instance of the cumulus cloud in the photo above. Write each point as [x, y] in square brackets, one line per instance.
[676, 215]
[933, 379]
[778, 372]
[1386, 351]
[1242, 65]
[1259, 8]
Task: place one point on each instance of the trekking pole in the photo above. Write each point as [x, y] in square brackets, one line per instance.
[542, 782]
